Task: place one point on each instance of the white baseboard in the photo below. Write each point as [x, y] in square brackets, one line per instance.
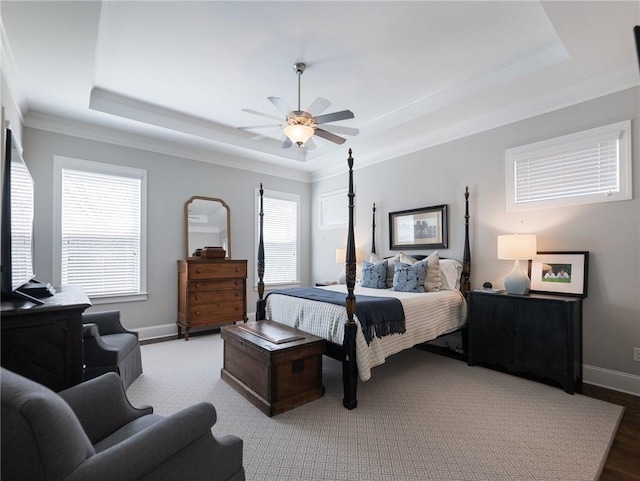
[154, 332]
[616, 380]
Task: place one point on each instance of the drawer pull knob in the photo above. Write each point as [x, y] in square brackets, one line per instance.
[197, 271]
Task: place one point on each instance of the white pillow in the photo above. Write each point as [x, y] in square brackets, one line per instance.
[451, 270]
[433, 279]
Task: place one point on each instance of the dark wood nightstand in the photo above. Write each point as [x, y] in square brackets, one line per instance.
[537, 334]
[326, 283]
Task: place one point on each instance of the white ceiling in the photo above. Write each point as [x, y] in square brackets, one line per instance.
[175, 75]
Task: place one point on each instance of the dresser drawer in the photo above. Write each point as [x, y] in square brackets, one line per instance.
[206, 297]
[216, 285]
[217, 311]
[218, 270]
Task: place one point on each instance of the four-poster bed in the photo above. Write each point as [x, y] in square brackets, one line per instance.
[427, 315]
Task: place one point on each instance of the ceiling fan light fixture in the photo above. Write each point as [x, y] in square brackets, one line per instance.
[299, 129]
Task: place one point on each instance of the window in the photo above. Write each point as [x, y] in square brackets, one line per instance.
[334, 210]
[586, 167]
[101, 238]
[280, 237]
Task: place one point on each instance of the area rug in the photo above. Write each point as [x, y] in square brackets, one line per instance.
[421, 416]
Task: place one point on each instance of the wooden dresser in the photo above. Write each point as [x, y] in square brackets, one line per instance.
[211, 292]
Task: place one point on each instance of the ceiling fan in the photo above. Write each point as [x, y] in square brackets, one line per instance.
[300, 125]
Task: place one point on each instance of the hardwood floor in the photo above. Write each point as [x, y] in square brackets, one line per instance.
[623, 463]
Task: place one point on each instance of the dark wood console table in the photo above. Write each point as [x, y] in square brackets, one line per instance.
[44, 343]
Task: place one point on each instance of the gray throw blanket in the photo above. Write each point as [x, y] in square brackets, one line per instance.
[378, 316]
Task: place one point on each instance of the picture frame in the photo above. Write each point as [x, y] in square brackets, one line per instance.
[422, 228]
[564, 273]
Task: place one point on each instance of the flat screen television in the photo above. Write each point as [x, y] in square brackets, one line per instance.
[17, 226]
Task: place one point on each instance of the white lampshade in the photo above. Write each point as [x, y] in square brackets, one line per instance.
[341, 256]
[518, 246]
[298, 133]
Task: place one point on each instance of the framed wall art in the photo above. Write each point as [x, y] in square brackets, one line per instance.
[423, 228]
[563, 273]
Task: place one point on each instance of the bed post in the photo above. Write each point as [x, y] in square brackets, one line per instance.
[465, 284]
[373, 231]
[260, 305]
[349, 365]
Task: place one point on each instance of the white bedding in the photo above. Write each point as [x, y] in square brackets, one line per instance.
[428, 315]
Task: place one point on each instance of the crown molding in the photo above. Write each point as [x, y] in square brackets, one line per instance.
[223, 156]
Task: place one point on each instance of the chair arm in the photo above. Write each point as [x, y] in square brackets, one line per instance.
[108, 322]
[92, 331]
[142, 453]
[101, 406]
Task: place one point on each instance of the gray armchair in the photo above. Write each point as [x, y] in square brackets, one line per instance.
[91, 432]
[109, 347]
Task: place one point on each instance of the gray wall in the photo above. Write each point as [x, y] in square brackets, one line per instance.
[171, 182]
[609, 231]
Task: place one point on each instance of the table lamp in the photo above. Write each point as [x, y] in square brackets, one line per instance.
[517, 246]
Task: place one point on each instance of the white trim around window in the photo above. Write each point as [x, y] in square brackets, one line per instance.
[134, 287]
[586, 167]
[287, 233]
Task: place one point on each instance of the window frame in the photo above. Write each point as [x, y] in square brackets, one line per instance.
[59, 164]
[335, 197]
[280, 196]
[620, 129]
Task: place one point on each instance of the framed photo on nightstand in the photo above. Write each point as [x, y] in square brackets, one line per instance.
[564, 273]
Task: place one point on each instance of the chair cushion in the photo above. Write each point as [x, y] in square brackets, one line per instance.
[41, 436]
[126, 431]
[123, 342]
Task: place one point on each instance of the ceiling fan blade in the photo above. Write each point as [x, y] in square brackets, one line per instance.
[280, 104]
[270, 133]
[251, 127]
[318, 106]
[329, 136]
[339, 129]
[342, 115]
[262, 114]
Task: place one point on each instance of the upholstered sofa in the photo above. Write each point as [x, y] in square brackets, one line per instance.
[91, 432]
[109, 347]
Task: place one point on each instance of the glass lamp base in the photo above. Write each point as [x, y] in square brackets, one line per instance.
[517, 281]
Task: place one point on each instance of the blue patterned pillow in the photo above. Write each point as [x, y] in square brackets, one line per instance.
[374, 275]
[409, 278]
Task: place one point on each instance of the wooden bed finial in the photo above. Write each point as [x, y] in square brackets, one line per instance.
[373, 231]
[466, 257]
[350, 367]
[260, 304]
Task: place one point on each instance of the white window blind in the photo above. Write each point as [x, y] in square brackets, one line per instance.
[101, 229]
[591, 166]
[334, 210]
[22, 208]
[280, 237]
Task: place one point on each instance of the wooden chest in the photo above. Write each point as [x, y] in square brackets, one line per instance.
[211, 292]
[274, 376]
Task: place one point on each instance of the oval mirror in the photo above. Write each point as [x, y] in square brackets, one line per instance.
[207, 224]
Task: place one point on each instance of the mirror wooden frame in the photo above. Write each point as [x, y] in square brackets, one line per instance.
[186, 223]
